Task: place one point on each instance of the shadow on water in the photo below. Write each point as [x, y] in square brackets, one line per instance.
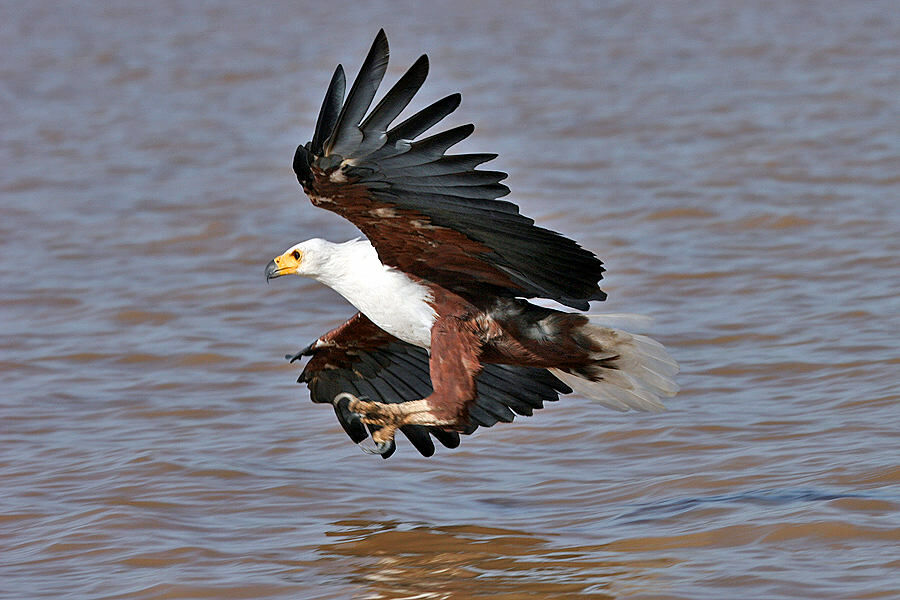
[398, 560]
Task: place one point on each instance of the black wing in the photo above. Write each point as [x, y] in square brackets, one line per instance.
[363, 360]
[427, 213]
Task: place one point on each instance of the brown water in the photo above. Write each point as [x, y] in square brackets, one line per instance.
[736, 165]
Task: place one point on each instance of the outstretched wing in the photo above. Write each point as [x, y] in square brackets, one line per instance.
[360, 358]
[427, 213]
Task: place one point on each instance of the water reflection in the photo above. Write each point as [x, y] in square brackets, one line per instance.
[402, 560]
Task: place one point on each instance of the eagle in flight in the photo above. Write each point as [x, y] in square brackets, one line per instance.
[445, 339]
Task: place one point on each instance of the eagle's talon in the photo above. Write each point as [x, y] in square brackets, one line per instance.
[346, 399]
[344, 396]
[378, 448]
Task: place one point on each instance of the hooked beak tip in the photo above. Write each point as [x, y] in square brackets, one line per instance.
[272, 271]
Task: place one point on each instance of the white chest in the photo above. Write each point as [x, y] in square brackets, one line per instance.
[388, 297]
[399, 306]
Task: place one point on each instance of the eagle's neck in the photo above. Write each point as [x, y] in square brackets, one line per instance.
[392, 300]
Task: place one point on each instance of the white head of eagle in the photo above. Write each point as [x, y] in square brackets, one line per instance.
[306, 258]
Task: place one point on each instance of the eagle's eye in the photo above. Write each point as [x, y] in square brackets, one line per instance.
[296, 254]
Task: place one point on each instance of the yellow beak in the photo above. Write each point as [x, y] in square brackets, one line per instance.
[286, 264]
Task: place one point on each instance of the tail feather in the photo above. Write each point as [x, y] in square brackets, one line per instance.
[630, 372]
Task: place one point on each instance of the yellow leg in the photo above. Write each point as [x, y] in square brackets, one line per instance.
[390, 417]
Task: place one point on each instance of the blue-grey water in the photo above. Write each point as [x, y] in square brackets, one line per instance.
[736, 165]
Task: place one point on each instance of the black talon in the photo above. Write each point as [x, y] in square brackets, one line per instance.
[342, 406]
[351, 423]
[342, 403]
[385, 449]
[379, 448]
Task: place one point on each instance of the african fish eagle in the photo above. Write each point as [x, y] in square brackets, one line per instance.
[445, 339]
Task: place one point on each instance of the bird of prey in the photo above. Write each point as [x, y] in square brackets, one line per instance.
[446, 339]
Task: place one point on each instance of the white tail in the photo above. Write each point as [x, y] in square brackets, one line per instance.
[633, 371]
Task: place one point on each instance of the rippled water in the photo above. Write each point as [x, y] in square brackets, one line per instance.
[735, 165]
